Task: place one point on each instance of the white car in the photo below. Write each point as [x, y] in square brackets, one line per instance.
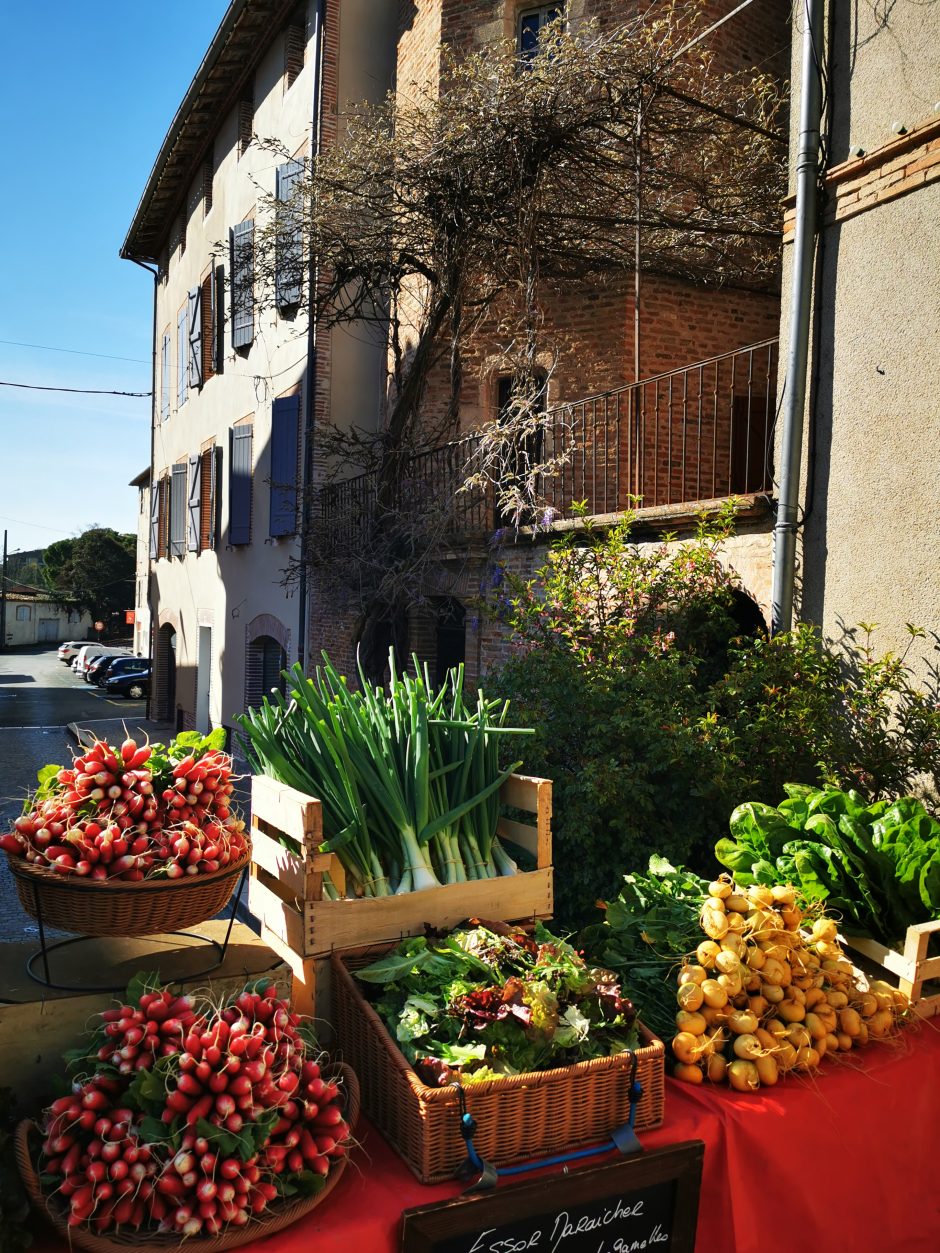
[89, 652]
[70, 650]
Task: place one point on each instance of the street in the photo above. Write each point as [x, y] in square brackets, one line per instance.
[39, 696]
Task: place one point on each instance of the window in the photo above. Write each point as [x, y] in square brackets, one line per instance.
[450, 636]
[74, 616]
[194, 375]
[242, 250]
[531, 22]
[288, 272]
[178, 510]
[208, 173]
[273, 661]
[239, 485]
[165, 376]
[295, 42]
[181, 354]
[23, 613]
[246, 123]
[285, 442]
[210, 462]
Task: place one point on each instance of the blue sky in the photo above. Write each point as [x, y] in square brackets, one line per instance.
[87, 94]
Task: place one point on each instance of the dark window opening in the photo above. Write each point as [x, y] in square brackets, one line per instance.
[450, 637]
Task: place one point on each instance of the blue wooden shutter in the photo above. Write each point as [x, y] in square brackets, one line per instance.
[178, 511]
[242, 246]
[165, 378]
[288, 272]
[285, 422]
[194, 338]
[239, 486]
[215, 496]
[154, 520]
[192, 505]
[181, 350]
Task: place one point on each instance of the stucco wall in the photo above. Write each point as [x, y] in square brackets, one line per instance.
[870, 547]
[23, 631]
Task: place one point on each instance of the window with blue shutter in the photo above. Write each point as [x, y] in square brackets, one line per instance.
[194, 338]
[239, 486]
[165, 377]
[155, 520]
[242, 247]
[285, 435]
[178, 511]
[193, 497]
[181, 351]
[288, 271]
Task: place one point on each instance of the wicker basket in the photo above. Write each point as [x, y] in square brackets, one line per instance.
[266, 1225]
[518, 1118]
[118, 908]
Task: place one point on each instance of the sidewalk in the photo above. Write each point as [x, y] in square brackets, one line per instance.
[114, 730]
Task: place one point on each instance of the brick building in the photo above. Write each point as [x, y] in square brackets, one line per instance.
[642, 424]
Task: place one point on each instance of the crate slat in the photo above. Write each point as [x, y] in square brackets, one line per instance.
[911, 968]
[299, 817]
[277, 915]
[520, 833]
[293, 873]
[348, 923]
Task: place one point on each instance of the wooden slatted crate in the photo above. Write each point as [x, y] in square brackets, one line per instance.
[911, 968]
[285, 891]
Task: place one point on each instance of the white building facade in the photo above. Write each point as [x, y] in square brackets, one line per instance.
[235, 372]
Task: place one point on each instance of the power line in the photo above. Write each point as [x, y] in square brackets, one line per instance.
[22, 522]
[77, 352]
[84, 391]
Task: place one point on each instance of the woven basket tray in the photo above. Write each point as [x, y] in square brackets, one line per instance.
[518, 1118]
[267, 1224]
[119, 908]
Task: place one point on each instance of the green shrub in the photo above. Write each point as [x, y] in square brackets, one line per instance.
[654, 718]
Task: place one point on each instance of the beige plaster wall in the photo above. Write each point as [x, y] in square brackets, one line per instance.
[870, 548]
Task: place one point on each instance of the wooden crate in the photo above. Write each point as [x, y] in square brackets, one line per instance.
[285, 891]
[911, 968]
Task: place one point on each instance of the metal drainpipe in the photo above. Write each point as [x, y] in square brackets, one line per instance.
[311, 375]
[804, 233]
[155, 272]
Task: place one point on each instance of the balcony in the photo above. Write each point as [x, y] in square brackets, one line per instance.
[704, 432]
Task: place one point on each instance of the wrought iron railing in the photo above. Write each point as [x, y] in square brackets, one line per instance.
[700, 433]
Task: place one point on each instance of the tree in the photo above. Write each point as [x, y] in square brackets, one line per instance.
[455, 211]
[93, 571]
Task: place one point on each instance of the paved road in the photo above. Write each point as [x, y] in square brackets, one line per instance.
[38, 690]
[39, 695]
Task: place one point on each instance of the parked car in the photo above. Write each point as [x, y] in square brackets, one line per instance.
[107, 667]
[134, 684]
[70, 650]
[90, 651]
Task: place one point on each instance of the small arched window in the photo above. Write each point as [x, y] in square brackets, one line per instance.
[265, 661]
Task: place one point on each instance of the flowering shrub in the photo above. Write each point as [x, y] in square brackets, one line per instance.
[655, 717]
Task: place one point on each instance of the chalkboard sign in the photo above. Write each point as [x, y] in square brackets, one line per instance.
[642, 1204]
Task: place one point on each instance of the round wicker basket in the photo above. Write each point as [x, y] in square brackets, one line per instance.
[114, 907]
[279, 1217]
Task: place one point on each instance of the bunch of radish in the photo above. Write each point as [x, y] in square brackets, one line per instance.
[133, 813]
[195, 1119]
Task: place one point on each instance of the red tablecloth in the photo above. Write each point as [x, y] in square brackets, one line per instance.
[847, 1161]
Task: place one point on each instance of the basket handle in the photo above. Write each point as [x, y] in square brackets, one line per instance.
[622, 1138]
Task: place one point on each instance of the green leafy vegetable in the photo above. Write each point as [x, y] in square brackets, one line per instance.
[878, 863]
[480, 1002]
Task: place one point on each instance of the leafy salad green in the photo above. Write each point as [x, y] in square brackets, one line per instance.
[648, 928]
[878, 864]
[488, 1000]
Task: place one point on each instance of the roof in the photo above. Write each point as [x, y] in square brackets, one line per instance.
[245, 33]
[141, 480]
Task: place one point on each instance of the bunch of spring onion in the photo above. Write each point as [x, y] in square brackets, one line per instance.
[408, 780]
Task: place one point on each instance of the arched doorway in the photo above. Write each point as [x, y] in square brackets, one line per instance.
[266, 660]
